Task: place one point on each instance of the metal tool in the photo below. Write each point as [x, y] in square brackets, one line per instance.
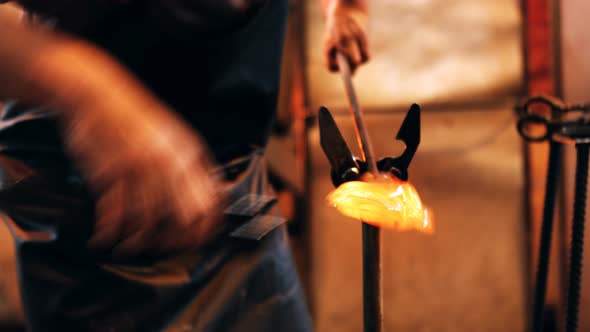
[362, 133]
[561, 122]
[346, 167]
[373, 303]
[557, 127]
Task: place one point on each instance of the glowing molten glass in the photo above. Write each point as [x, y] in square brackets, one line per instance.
[387, 202]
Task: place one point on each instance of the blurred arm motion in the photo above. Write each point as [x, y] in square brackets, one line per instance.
[346, 32]
[147, 168]
[145, 165]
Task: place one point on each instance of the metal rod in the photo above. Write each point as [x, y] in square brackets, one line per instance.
[372, 302]
[546, 231]
[362, 134]
[577, 246]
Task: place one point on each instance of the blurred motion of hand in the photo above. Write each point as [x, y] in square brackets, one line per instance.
[346, 32]
[151, 172]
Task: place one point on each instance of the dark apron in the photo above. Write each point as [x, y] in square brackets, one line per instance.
[228, 285]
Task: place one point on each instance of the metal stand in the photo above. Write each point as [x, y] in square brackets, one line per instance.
[546, 232]
[372, 303]
[577, 248]
[558, 131]
[345, 167]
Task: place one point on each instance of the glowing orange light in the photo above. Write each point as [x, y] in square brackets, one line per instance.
[385, 202]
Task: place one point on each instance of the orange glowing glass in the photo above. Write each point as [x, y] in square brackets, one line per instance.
[386, 202]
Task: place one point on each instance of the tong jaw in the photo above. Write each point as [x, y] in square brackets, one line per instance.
[346, 167]
[409, 133]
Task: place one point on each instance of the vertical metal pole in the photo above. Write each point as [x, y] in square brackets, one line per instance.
[372, 302]
[577, 246]
[553, 172]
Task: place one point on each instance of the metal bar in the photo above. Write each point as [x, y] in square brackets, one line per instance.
[362, 134]
[372, 302]
[551, 186]
[577, 246]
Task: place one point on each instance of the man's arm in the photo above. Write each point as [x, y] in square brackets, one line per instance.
[20, 46]
[40, 66]
[346, 31]
[149, 170]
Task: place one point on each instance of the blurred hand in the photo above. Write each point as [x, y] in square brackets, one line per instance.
[151, 172]
[346, 33]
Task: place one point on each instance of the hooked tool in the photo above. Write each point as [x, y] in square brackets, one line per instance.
[346, 167]
[559, 124]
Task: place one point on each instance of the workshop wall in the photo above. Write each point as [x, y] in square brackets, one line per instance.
[431, 51]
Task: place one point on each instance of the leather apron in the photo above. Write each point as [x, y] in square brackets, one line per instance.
[230, 284]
